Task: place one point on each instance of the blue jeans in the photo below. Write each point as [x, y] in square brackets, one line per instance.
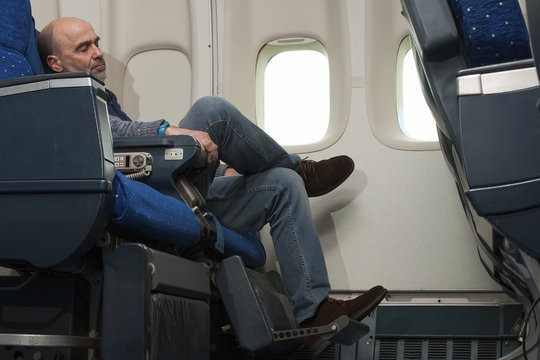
[270, 191]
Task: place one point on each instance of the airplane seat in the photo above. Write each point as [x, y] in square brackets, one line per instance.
[77, 290]
[57, 199]
[481, 83]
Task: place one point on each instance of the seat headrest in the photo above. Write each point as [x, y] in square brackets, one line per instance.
[18, 41]
[15, 20]
[493, 31]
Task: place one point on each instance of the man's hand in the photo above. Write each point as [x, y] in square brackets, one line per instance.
[231, 172]
[211, 148]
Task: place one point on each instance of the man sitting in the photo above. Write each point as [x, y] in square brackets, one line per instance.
[271, 187]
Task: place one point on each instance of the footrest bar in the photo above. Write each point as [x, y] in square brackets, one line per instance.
[282, 335]
[343, 330]
[349, 331]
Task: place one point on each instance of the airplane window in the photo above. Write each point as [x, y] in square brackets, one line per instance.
[414, 116]
[293, 91]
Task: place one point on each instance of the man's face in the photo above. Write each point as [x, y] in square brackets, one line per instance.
[78, 47]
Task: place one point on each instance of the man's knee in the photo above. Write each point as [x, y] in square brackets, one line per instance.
[215, 110]
[212, 105]
[287, 179]
[206, 112]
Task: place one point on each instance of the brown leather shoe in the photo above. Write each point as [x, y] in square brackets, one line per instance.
[321, 177]
[330, 309]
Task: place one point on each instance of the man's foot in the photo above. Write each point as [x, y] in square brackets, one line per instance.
[330, 309]
[321, 177]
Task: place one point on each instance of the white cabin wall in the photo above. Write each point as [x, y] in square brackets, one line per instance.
[398, 221]
[159, 55]
[44, 11]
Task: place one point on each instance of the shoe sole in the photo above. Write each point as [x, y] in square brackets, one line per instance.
[345, 177]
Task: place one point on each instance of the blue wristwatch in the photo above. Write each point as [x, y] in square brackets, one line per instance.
[164, 125]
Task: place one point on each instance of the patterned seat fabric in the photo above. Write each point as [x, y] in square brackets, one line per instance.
[18, 49]
[493, 31]
[13, 64]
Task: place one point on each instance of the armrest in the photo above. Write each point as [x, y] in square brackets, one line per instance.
[169, 155]
[498, 78]
[124, 142]
[72, 78]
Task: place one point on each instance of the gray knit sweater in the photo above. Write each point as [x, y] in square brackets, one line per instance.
[120, 127]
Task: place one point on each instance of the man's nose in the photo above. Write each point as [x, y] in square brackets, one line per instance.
[97, 52]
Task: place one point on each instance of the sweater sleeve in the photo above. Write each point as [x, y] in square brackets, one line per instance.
[220, 171]
[121, 127]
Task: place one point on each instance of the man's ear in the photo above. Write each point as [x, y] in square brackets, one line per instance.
[55, 63]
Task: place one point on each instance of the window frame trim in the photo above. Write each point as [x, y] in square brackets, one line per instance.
[266, 54]
[404, 47]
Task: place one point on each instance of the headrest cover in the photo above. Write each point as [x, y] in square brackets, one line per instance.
[493, 31]
[15, 21]
[18, 40]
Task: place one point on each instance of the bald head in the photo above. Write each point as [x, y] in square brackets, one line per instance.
[71, 44]
[45, 42]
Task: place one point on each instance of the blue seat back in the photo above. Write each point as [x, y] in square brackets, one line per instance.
[55, 197]
[488, 139]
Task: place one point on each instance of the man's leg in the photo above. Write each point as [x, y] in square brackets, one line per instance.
[277, 196]
[248, 149]
[242, 144]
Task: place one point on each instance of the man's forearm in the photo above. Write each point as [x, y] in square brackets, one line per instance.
[120, 127]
